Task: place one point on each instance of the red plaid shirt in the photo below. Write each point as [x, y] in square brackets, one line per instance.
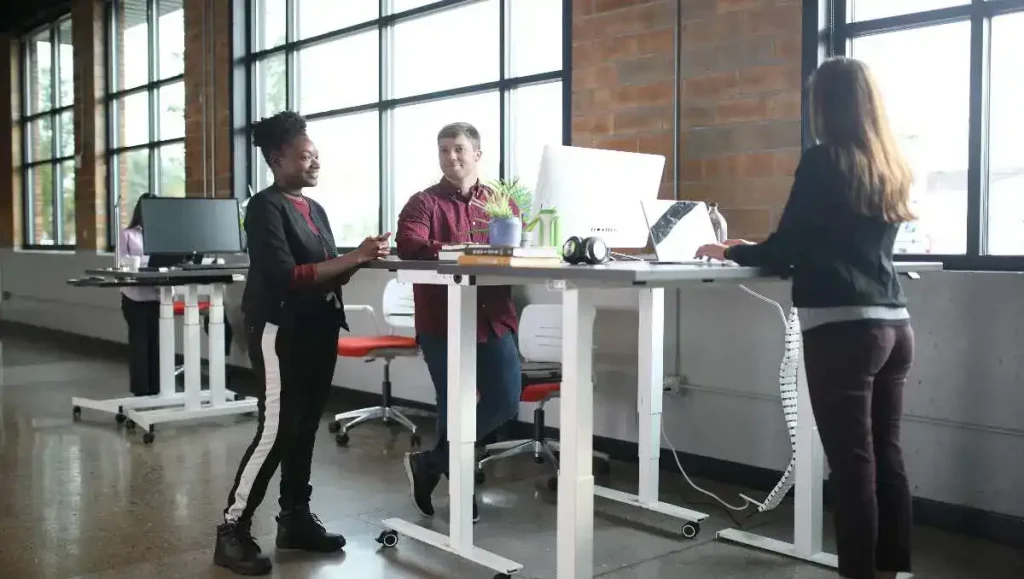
[441, 215]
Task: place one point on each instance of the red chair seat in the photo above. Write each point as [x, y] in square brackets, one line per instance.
[538, 392]
[179, 307]
[362, 346]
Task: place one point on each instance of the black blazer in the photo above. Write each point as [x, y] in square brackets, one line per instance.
[279, 240]
[836, 256]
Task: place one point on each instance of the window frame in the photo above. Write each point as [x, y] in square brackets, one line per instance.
[245, 105]
[152, 89]
[25, 122]
[828, 32]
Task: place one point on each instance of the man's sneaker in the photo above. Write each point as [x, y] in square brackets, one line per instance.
[422, 482]
[300, 529]
[237, 550]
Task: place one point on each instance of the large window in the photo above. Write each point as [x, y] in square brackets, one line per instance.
[377, 79]
[949, 71]
[146, 103]
[48, 133]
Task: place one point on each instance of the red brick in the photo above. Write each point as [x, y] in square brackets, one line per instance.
[740, 110]
[617, 144]
[748, 223]
[710, 86]
[582, 8]
[641, 120]
[769, 78]
[786, 162]
[734, 5]
[584, 55]
[639, 96]
[785, 106]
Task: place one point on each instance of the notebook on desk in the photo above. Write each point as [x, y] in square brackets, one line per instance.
[678, 229]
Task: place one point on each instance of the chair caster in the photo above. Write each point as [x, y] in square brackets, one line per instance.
[387, 421]
[130, 424]
[388, 539]
[690, 530]
[479, 477]
[333, 427]
[415, 441]
[538, 459]
[76, 413]
[120, 418]
[341, 439]
[148, 438]
[502, 576]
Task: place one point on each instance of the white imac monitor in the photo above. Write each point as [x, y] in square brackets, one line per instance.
[596, 192]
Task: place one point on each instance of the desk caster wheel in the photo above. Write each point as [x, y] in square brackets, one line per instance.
[148, 438]
[553, 483]
[76, 413]
[341, 439]
[690, 530]
[415, 441]
[388, 539]
[130, 424]
[120, 418]
[502, 576]
[479, 477]
[333, 427]
[538, 459]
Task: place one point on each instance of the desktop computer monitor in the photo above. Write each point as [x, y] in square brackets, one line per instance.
[597, 192]
[190, 225]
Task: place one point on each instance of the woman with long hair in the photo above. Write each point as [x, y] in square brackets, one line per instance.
[141, 309]
[835, 237]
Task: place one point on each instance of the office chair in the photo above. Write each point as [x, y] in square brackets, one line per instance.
[397, 311]
[540, 344]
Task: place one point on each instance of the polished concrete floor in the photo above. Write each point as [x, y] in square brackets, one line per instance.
[87, 499]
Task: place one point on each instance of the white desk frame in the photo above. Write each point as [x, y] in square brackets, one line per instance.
[576, 488]
[193, 403]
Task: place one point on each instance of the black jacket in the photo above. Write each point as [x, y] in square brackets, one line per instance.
[836, 256]
[279, 240]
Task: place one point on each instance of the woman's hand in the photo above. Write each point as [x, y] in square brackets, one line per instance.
[374, 247]
[713, 251]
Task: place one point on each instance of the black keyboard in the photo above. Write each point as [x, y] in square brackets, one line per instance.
[211, 266]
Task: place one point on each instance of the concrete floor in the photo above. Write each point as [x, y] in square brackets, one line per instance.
[89, 500]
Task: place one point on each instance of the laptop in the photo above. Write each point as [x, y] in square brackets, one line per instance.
[678, 229]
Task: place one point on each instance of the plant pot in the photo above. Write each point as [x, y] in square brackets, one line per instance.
[505, 232]
[527, 239]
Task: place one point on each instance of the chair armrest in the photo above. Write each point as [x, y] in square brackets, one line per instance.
[373, 315]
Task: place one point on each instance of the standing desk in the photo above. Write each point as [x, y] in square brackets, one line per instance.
[168, 405]
[576, 488]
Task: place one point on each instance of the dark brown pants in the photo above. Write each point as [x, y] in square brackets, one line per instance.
[856, 373]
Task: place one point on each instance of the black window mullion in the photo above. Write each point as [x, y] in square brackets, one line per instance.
[503, 94]
[289, 55]
[977, 136]
[55, 192]
[151, 20]
[383, 139]
[567, 15]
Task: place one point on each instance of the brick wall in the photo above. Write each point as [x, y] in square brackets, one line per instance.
[214, 176]
[740, 90]
[10, 147]
[87, 30]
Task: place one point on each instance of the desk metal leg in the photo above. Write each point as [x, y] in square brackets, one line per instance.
[575, 543]
[650, 393]
[166, 341]
[215, 346]
[191, 348]
[462, 301]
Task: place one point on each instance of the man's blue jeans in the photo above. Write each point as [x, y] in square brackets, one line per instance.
[499, 384]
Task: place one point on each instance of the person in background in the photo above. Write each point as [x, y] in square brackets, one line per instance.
[141, 309]
[439, 215]
[292, 304]
[850, 195]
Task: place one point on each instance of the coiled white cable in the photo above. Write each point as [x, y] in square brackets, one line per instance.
[788, 372]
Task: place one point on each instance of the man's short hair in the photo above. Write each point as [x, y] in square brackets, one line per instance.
[456, 130]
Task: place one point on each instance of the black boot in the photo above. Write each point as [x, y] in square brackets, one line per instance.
[300, 529]
[237, 550]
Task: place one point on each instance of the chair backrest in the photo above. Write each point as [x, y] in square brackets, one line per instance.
[397, 304]
[540, 333]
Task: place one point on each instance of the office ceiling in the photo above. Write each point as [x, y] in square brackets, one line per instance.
[17, 16]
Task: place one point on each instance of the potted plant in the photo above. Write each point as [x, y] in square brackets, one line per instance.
[504, 228]
[512, 189]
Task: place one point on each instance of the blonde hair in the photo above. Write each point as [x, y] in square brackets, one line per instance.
[849, 118]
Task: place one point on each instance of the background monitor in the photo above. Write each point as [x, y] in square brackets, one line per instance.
[596, 192]
[189, 225]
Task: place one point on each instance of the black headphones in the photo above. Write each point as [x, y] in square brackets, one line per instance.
[590, 250]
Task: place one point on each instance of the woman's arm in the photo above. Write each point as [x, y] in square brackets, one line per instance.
[793, 233]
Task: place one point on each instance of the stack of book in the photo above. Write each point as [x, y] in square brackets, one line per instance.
[510, 256]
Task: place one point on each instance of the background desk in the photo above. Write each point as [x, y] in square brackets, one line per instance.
[193, 403]
[576, 487]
